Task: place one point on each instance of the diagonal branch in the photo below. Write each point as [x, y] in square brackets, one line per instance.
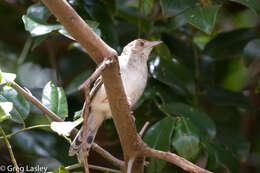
[98, 50]
[108, 156]
[174, 159]
[55, 117]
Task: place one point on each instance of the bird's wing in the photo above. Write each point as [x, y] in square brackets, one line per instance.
[75, 147]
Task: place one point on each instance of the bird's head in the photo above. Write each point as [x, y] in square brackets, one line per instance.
[140, 47]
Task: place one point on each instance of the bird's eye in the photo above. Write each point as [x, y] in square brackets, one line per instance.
[141, 43]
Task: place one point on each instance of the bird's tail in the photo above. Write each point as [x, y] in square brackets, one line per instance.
[92, 128]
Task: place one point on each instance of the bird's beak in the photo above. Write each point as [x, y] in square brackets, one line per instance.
[153, 43]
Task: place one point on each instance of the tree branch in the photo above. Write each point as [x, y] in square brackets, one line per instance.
[98, 50]
[10, 150]
[108, 156]
[79, 165]
[36, 102]
[174, 159]
[78, 28]
[84, 133]
[55, 117]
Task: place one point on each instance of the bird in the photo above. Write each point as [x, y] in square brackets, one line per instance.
[134, 74]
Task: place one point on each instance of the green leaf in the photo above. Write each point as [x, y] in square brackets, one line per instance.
[38, 12]
[159, 136]
[171, 8]
[252, 50]
[225, 159]
[99, 11]
[225, 97]
[203, 18]
[254, 5]
[197, 117]
[6, 77]
[236, 76]
[43, 144]
[238, 145]
[5, 109]
[229, 44]
[54, 99]
[172, 73]
[60, 169]
[212, 157]
[186, 141]
[21, 107]
[77, 81]
[36, 29]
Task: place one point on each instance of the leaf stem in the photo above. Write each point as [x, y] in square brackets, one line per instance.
[79, 165]
[25, 50]
[25, 129]
[10, 150]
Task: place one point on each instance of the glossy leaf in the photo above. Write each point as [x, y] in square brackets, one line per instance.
[237, 144]
[65, 128]
[37, 29]
[92, 24]
[43, 144]
[171, 8]
[203, 18]
[158, 136]
[54, 98]
[97, 11]
[197, 117]
[6, 77]
[38, 12]
[72, 87]
[229, 44]
[212, 157]
[186, 141]
[252, 4]
[5, 109]
[21, 107]
[236, 76]
[172, 73]
[224, 97]
[225, 159]
[252, 50]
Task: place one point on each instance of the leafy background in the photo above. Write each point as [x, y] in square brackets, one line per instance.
[202, 97]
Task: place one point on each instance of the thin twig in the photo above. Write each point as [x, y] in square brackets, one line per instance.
[79, 165]
[55, 117]
[36, 102]
[113, 160]
[25, 129]
[141, 133]
[130, 164]
[10, 150]
[86, 86]
[84, 134]
[96, 74]
[25, 50]
[174, 159]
